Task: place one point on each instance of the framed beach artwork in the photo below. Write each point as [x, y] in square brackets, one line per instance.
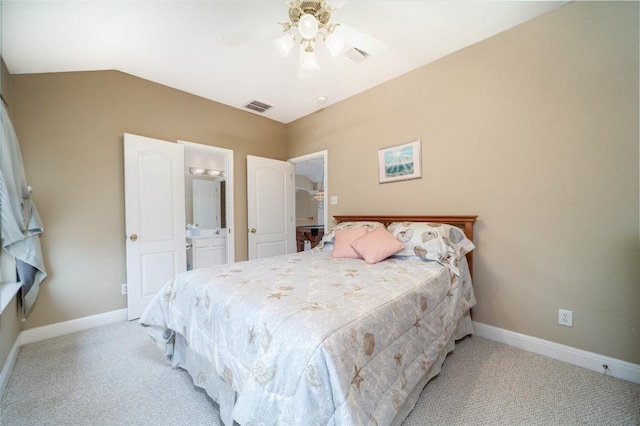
[400, 162]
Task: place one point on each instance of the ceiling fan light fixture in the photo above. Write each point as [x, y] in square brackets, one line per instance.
[308, 60]
[310, 23]
[334, 44]
[284, 44]
[308, 26]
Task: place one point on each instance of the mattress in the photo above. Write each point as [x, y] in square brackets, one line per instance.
[310, 339]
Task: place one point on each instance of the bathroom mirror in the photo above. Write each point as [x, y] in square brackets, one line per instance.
[208, 203]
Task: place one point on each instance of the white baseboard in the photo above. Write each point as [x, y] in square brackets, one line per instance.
[7, 368]
[617, 368]
[71, 326]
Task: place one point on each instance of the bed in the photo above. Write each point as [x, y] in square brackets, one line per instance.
[316, 337]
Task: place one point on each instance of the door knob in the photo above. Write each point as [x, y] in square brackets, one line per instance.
[253, 230]
[133, 237]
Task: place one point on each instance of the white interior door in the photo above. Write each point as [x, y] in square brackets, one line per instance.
[270, 207]
[155, 217]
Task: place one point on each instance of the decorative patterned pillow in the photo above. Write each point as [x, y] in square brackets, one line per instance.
[344, 238]
[376, 245]
[431, 241]
[329, 237]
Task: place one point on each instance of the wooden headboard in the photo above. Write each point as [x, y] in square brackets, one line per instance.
[463, 222]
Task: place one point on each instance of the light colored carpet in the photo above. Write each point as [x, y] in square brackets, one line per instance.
[115, 375]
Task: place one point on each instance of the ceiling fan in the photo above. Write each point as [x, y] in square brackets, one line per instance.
[309, 24]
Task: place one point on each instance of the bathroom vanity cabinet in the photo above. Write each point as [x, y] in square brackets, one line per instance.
[206, 251]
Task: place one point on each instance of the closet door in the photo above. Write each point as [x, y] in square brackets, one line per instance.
[155, 217]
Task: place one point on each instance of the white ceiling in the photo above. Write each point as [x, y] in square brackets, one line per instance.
[179, 44]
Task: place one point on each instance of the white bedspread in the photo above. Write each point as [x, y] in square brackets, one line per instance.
[309, 339]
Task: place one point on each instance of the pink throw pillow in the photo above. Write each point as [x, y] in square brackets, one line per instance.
[343, 240]
[377, 245]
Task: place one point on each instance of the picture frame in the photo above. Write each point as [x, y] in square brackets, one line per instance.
[400, 162]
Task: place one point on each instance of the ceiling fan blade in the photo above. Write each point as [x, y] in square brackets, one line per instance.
[365, 42]
[255, 33]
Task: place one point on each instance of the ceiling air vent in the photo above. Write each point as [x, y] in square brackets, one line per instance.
[357, 55]
[257, 106]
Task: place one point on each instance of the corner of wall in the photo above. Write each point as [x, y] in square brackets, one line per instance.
[5, 82]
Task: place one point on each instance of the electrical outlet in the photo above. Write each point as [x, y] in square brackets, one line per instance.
[124, 289]
[565, 317]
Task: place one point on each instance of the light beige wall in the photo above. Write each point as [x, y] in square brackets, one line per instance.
[536, 131]
[70, 127]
